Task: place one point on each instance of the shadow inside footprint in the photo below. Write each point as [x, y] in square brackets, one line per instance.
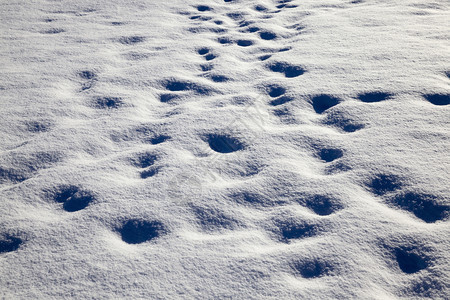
[281, 100]
[108, 102]
[224, 143]
[423, 206]
[73, 197]
[136, 231]
[409, 261]
[9, 243]
[385, 183]
[244, 43]
[330, 154]
[131, 40]
[275, 90]
[88, 75]
[321, 103]
[313, 268]
[323, 205]
[374, 97]
[288, 70]
[267, 35]
[438, 99]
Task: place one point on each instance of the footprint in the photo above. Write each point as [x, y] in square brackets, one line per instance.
[423, 206]
[244, 43]
[88, 75]
[149, 173]
[409, 260]
[165, 98]
[27, 165]
[224, 143]
[260, 8]
[264, 57]
[54, 31]
[145, 160]
[267, 35]
[206, 68]
[72, 197]
[323, 205]
[210, 57]
[175, 85]
[275, 90]
[136, 231]
[330, 154]
[438, 99]
[131, 40]
[38, 126]
[108, 102]
[281, 100]
[203, 8]
[382, 184]
[9, 243]
[342, 122]
[212, 220]
[288, 70]
[252, 29]
[224, 40]
[159, 139]
[235, 16]
[374, 97]
[203, 51]
[321, 103]
[219, 78]
[312, 268]
[289, 230]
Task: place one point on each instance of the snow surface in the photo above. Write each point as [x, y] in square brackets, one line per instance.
[225, 149]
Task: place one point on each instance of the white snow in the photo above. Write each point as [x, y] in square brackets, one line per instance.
[225, 149]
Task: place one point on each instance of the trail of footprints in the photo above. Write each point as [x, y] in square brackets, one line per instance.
[73, 198]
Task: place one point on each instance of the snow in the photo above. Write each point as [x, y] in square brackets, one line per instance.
[225, 149]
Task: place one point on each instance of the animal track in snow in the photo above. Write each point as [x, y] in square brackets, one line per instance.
[323, 102]
[9, 243]
[224, 143]
[224, 40]
[312, 268]
[211, 219]
[267, 35]
[175, 85]
[409, 261]
[244, 43]
[424, 206]
[343, 122]
[145, 160]
[382, 184]
[288, 70]
[54, 31]
[438, 99]
[281, 100]
[323, 205]
[203, 51]
[136, 231]
[330, 154]
[203, 8]
[149, 172]
[38, 126]
[108, 102]
[72, 197]
[374, 97]
[131, 40]
[289, 230]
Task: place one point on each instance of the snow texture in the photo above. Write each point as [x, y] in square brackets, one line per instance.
[229, 149]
